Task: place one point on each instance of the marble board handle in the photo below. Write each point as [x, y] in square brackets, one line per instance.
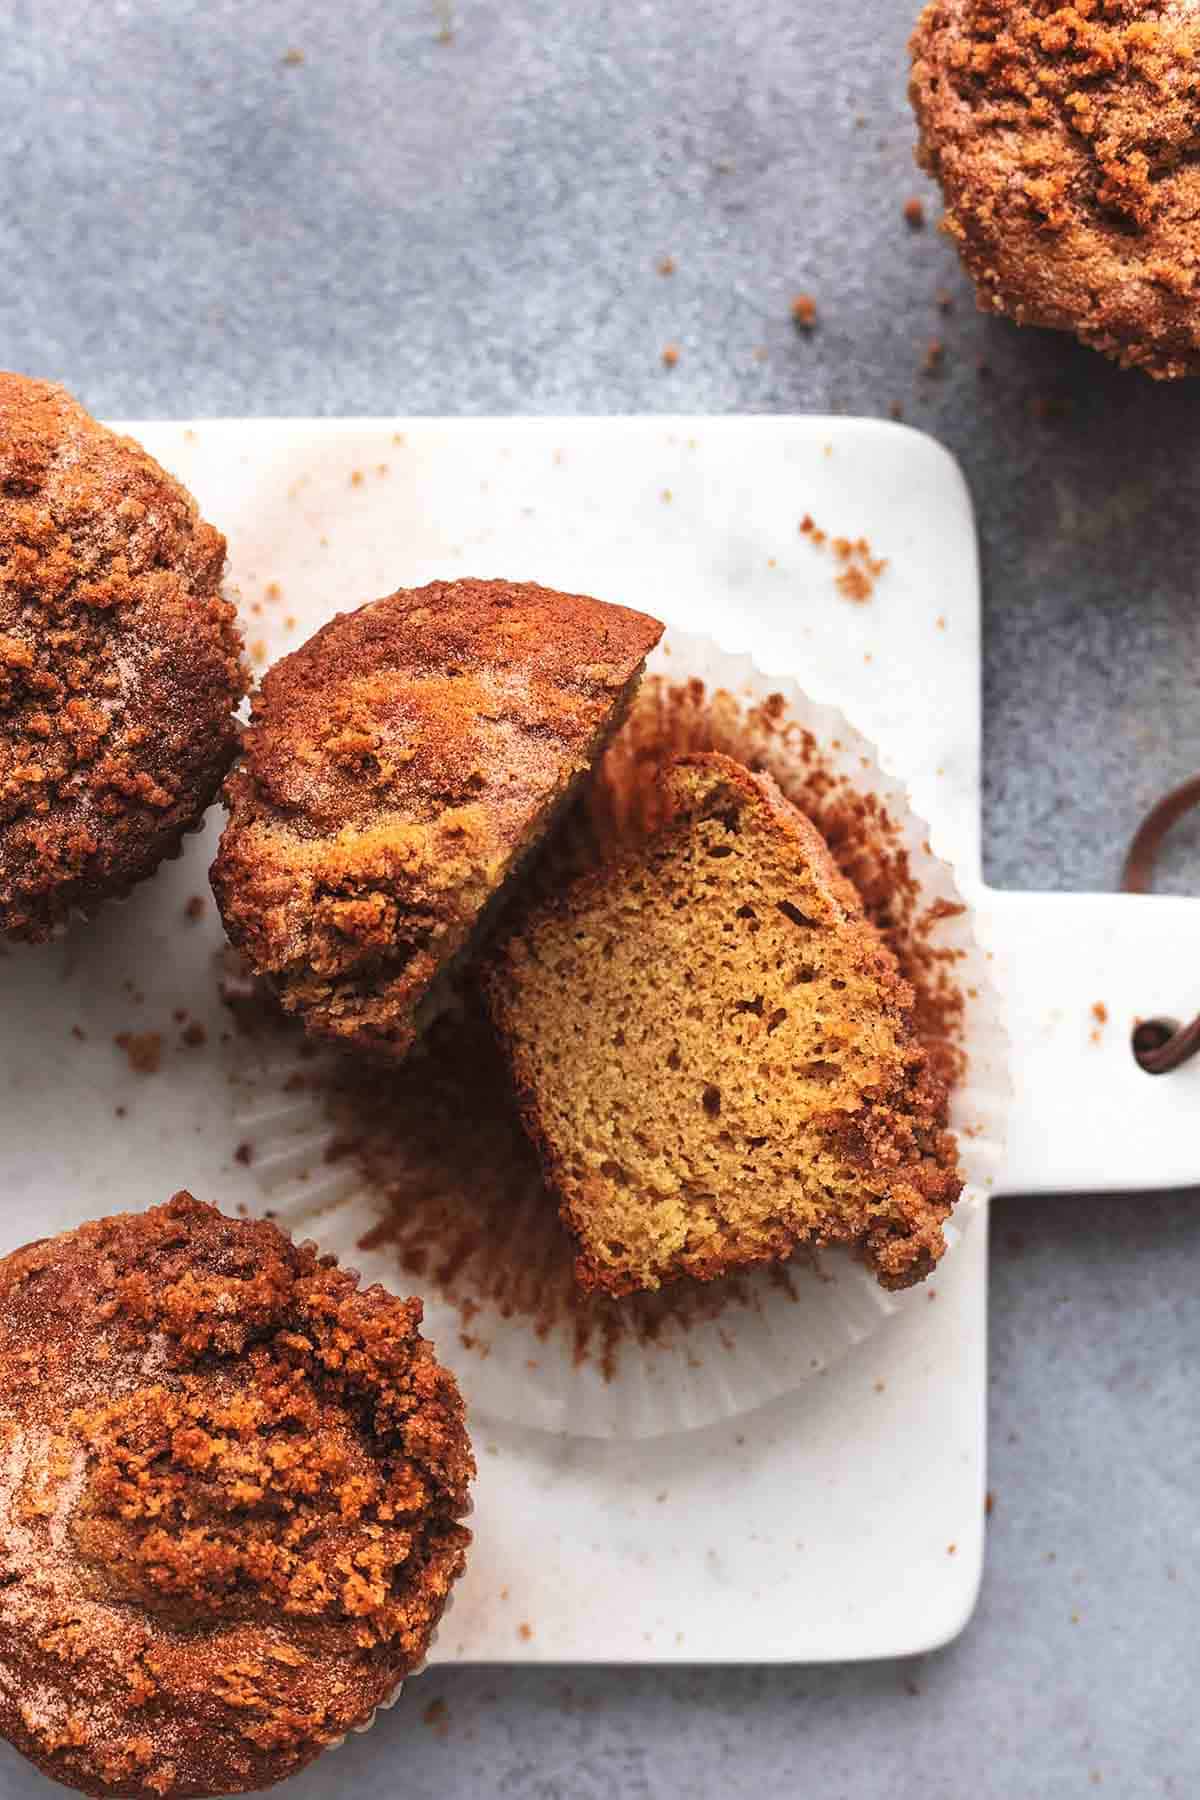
[1077, 972]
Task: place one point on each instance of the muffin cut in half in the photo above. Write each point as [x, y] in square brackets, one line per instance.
[714, 1052]
[398, 768]
[120, 661]
[230, 1495]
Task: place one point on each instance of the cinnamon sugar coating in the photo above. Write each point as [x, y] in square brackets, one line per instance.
[120, 663]
[1067, 142]
[230, 1486]
[399, 766]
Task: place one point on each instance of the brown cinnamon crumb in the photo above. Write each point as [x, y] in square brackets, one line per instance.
[244, 1154]
[666, 265]
[437, 1716]
[856, 580]
[195, 908]
[804, 312]
[292, 59]
[914, 212]
[194, 1035]
[143, 1049]
[935, 356]
[670, 355]
[525, 1632]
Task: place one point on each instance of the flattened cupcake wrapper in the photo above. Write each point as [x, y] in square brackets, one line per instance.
[499, 1303]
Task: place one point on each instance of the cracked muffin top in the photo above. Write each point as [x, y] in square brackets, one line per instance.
[230, 1490]
[1066, 139]
[120, 663]
[398, 769]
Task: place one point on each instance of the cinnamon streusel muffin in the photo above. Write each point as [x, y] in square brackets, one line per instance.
[715, 1054]
[1066, 139]
[120, 663]
[398, 769]
[230, 1494]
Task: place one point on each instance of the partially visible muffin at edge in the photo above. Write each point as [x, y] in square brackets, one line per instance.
[230, 1495]
[398, 769]
[120, 662]
[1067, 143]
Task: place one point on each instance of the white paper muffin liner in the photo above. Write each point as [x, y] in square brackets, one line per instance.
[695, 1354]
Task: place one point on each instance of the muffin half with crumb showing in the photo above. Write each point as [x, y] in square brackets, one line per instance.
[714, 1052]
[398, 770]
[1067, 143]
[120, 662]
[229, 1504]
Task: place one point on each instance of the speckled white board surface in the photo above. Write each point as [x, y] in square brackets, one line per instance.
[846, 1519]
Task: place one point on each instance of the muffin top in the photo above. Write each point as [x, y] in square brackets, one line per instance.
[229, 1495]
[397, 768]
[120, 664]
[1066, 140]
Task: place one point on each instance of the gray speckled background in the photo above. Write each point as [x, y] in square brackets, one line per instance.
[403, 224]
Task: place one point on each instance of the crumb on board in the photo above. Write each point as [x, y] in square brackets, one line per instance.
[945, 300]
[914, 212]
[77, 1031]
[194, 1034]
[292, 58]
[1100, 1013]
[859, 571]
[195, 908]
[666, 265]
[935, 356]
[244, 1154]
[273, 591]
[670, 355]
[356, 478]
[258, 650]
[143, 1050]
[804, 312]
[951, 1549]
[525, 1631]
[989, 1503]
[120, 1111]
[895, 410]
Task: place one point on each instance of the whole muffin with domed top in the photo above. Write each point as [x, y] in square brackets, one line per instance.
[120, 662]
[230, 1490]
[1066, 139]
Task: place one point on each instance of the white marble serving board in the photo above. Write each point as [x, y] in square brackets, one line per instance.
[847, 1519]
